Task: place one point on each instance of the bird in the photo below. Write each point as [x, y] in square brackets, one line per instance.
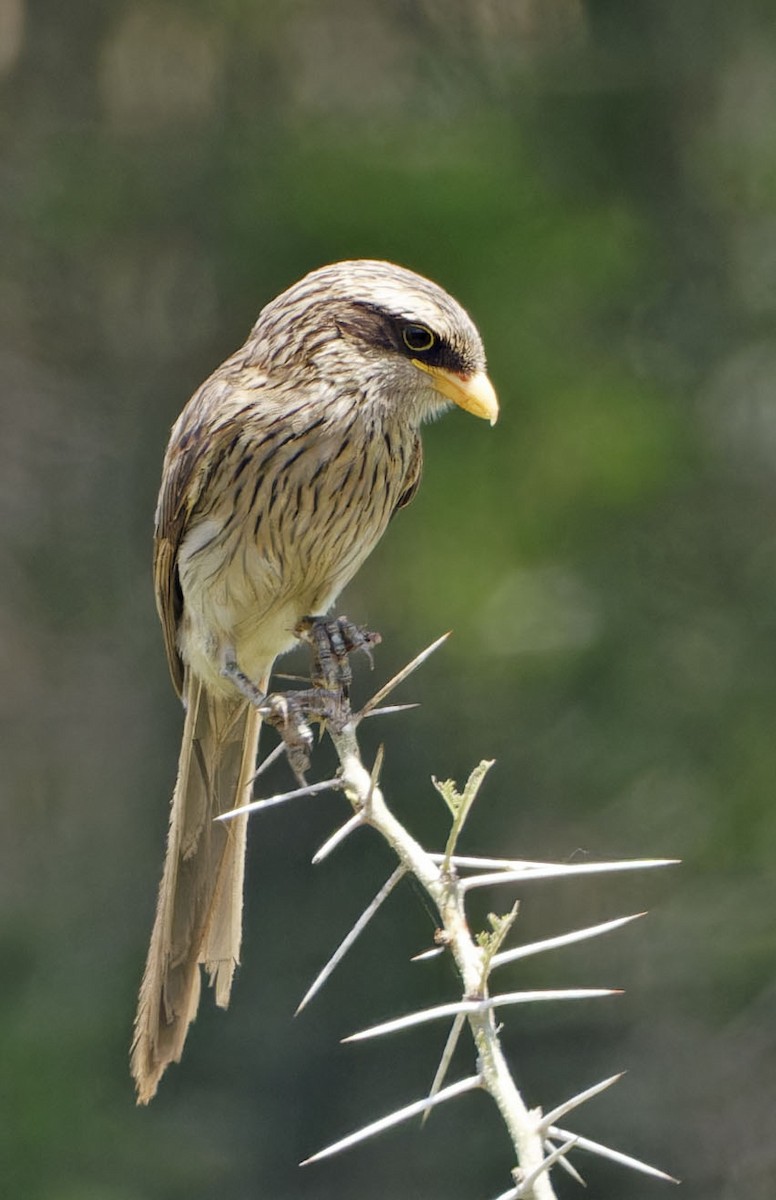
[280, 476]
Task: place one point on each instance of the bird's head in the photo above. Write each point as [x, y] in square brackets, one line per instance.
[382, 330]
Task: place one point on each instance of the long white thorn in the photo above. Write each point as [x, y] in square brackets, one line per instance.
[563, 939]
[566, 1107]
[447, 1057]
[614, 1155]
[337, 837]
[400, 676]
[395, 1118]
[374, 778]
[476, 860]
[565, 1165]
[350, 938]
[531, 864]
[471, 1007]
[388, 710]
[273, 756]
[525, 1187]
[311, 789]
[557, 870]
[434, 952]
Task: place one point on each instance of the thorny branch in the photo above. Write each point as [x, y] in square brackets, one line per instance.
[446, 895]
[532, 1134]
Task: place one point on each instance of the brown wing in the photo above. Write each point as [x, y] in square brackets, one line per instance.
[192, 455]
[176, 500]
[412, 477]
[206, 429]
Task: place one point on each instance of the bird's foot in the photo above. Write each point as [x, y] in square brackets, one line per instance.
[288, 712]
[285, 712]
[332, 641]
[291, 714]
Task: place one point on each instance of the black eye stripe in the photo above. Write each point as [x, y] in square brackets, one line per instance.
[381, 329]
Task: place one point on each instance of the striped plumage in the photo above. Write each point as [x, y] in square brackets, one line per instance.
[281, 474]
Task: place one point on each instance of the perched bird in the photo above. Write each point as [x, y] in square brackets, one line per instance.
[281, 474]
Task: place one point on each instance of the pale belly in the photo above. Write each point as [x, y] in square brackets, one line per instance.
[241, 604]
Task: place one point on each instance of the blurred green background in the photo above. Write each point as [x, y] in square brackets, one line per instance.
[596, 182]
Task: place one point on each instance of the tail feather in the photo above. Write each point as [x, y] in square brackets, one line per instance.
[199, 910]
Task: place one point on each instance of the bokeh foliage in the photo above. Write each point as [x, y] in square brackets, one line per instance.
[597, 183]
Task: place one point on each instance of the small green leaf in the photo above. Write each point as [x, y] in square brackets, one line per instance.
[460, 803]
[490, 941]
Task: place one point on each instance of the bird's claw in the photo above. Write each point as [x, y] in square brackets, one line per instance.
[291, 714]
[285, 712]
[332, 641]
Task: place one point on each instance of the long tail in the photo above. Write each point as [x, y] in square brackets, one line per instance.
[199, 910]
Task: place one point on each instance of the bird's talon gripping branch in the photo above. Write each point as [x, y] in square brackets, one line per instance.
[285, 711]
[332, 641]
[326, 701]
[291, 713]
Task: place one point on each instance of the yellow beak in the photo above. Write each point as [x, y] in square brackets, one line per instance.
[473, 392]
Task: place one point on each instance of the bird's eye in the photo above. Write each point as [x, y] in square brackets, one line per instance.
[417, 338]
